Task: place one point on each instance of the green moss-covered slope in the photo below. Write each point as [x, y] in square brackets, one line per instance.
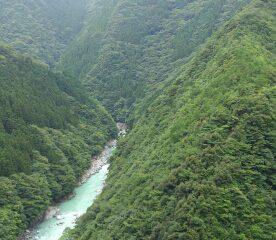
[49, 129]
[42, 28]
[127, 47]
[200, 162]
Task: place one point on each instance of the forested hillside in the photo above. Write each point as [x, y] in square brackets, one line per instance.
[41, 28]
[127, 47]
[200, 161]
[49, 129]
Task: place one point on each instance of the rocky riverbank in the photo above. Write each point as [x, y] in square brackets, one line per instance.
[122, 127]
[99, 161]
[96, 165]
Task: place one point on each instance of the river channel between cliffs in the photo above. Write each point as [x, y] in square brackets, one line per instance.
[65, 214]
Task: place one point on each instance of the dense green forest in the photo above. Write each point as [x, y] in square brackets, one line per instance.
[42, 28]
[128, 47]
[193, 79]
[49, 129]
[199, 163]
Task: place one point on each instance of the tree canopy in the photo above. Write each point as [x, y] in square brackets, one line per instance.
[49, 129]
[41, 28]
[200, 161]
[128, 47]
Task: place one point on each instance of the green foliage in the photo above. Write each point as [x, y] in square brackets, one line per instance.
[34, 194]
[41, 28]
[127, 47]
[49, 129]
[11, 210]
[200, 162]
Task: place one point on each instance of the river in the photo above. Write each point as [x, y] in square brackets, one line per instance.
[64, 215]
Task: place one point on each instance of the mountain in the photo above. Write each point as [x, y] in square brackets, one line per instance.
[128, 47]
[41, 28]
[199, 163]
[49, 129]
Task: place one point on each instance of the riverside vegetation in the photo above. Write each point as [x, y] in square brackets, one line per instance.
[199, 162]
[194, 80]
[49, 130]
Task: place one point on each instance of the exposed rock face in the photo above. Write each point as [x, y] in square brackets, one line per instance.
[52, 211]
[122, 129]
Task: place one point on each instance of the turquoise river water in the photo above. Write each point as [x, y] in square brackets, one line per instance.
[68, 211]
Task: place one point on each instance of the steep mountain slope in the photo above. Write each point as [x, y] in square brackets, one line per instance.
[200, 162]
[41, 28]
[128, 46]
[49, 129]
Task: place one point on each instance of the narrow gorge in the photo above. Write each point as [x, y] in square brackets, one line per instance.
[193, 81]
